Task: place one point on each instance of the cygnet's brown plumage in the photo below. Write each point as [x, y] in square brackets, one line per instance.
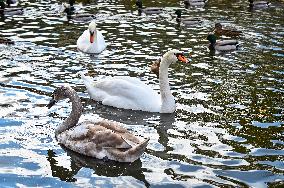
[102, 139]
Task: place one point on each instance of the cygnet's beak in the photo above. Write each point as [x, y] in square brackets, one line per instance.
[51, 103]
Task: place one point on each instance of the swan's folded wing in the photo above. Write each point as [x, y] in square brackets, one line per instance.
[128, 88]
[108, 139]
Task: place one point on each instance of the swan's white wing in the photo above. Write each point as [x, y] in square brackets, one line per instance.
[124, 92]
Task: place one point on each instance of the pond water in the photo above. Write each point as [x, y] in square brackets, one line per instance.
[227, 130]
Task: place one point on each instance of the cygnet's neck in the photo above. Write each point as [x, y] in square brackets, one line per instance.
[75, 114]
[167, 99]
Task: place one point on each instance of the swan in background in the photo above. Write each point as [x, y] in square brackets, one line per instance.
[131, 93]
[222, 45]
[92, 40]
[103, 139]
[148, 10]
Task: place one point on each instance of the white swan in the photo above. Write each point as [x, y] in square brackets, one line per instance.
[132, 93]
[92, 40]
[103, 139]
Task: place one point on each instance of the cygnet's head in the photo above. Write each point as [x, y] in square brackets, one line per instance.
[92, 30]
[173, 56]
[58, 94]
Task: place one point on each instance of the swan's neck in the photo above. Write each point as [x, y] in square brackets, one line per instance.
[167, 99]
[75, 114]
[96, 36]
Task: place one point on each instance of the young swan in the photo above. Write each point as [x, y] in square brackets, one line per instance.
[131, 93]
[103, 139]
[92, 40]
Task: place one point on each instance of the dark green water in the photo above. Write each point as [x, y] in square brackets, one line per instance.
[228, 127]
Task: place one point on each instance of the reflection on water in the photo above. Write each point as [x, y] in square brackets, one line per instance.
[228, 127]
[100, 167]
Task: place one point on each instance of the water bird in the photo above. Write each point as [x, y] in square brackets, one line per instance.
[132, 93]
[155, 67]
[8, 2]
[103, 139]
[148, 10]
[198, 3]
[92, 40]
[187, 20]
[227, 32]
[71, 3]
[71, 15]
[6, 41]
[9, 11]
[221, 45]
[258, 4]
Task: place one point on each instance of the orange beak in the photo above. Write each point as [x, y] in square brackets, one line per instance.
[92, 38]
[183, 59]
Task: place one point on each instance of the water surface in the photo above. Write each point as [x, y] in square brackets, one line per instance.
[228, 127]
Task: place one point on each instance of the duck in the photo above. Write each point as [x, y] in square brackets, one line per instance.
[71, 3]
[194, 3]
[9, 11]
[6, 41]
[104, 139]
[186, 21]
[222, 45]
[8, 2]
[227, 32]
[75, 16]
[132, 93]
[155, 67]
[148, 10]
[258, 4]
[92, 40]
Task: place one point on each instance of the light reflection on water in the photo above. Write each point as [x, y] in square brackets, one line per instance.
[228, 127]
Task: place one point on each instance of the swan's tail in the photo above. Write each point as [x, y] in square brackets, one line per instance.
[130, 155]
[135, 152]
